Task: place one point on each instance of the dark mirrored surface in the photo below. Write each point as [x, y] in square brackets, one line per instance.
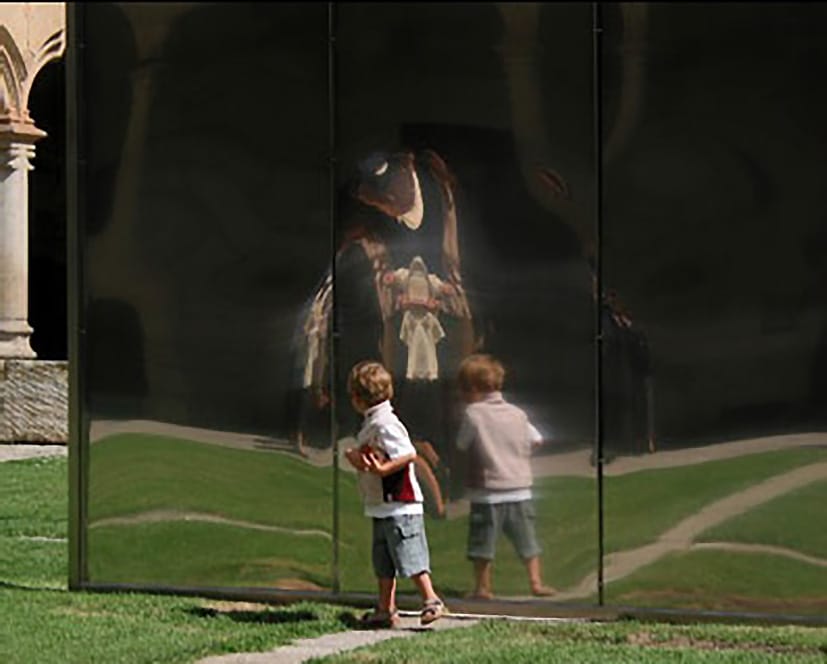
[485, 112]
[225, 253]
[207, 232]
[714, 309]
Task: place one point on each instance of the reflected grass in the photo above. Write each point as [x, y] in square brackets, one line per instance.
[726, 581]
[800, 512]
[566, 527]
[133, 474]
[205, 554]
[639, 506]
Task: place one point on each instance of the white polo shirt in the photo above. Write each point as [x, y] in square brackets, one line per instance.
[399, 493]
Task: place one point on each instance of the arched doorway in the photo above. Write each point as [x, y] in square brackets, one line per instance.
[47, 216]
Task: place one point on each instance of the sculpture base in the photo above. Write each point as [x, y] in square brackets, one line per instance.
[34, 401]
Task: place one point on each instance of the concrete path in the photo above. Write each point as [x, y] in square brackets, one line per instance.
[159, 516]
[331, 644]
[14, 452]
[574, 463]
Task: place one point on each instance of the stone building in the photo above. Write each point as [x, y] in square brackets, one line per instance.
[33, 382]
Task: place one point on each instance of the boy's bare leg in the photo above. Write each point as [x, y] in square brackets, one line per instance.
[387, 595]
[535, 578]
[482, 578]
[422, 581]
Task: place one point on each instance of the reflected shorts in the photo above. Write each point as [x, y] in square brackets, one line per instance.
[400, 547]
[516, 520]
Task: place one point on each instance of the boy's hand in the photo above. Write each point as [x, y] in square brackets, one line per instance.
[373, 464]
[356, 458]
[384, 468]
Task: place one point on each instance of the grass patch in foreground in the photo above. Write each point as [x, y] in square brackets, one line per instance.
[624, 642]
[53, 626]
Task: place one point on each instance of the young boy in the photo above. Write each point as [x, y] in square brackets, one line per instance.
[499, 439]
[392, 496]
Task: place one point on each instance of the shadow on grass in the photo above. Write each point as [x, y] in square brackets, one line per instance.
[350, 621]
[261, 617]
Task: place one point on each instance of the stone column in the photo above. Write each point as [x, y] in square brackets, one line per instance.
[17, 141]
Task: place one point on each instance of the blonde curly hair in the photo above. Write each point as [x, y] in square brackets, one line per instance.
[370, 382]
[481, 373]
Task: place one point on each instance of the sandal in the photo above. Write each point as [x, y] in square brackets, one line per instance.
[432, 610]
[377, 619]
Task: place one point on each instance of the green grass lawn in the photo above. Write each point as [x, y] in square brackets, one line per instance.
[493, 642]
[720, 580]
[795, 521]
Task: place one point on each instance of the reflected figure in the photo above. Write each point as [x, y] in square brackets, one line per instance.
[499, 440]
[628, 382]
[391, 496]
[399, 299]
[308, 406]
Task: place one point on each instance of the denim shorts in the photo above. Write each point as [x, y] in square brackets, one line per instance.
[515, 519]
[400, 547]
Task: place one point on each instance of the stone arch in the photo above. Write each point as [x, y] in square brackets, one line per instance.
[12, 73]
[51, 49]
[47, 216]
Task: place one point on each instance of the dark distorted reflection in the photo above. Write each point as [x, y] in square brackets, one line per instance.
[216, 281]
[208, 138]
[463, 192]
[714, 308]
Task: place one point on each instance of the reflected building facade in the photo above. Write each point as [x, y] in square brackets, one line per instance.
[267, 194]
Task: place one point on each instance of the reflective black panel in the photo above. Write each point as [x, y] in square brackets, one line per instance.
[272, 193]
[207, 232]
[485, 111]
[714, 306]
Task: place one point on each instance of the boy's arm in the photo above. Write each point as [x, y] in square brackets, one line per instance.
[534, 436]
[465, 436]
[389, 467]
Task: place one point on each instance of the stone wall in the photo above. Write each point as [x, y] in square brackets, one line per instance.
[33, 401]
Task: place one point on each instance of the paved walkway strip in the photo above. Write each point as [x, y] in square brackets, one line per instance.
[15, 452]
[332, 644]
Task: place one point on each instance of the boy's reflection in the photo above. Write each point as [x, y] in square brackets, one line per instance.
[498, 439]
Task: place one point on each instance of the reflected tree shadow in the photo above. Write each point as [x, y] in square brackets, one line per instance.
[350, 621]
